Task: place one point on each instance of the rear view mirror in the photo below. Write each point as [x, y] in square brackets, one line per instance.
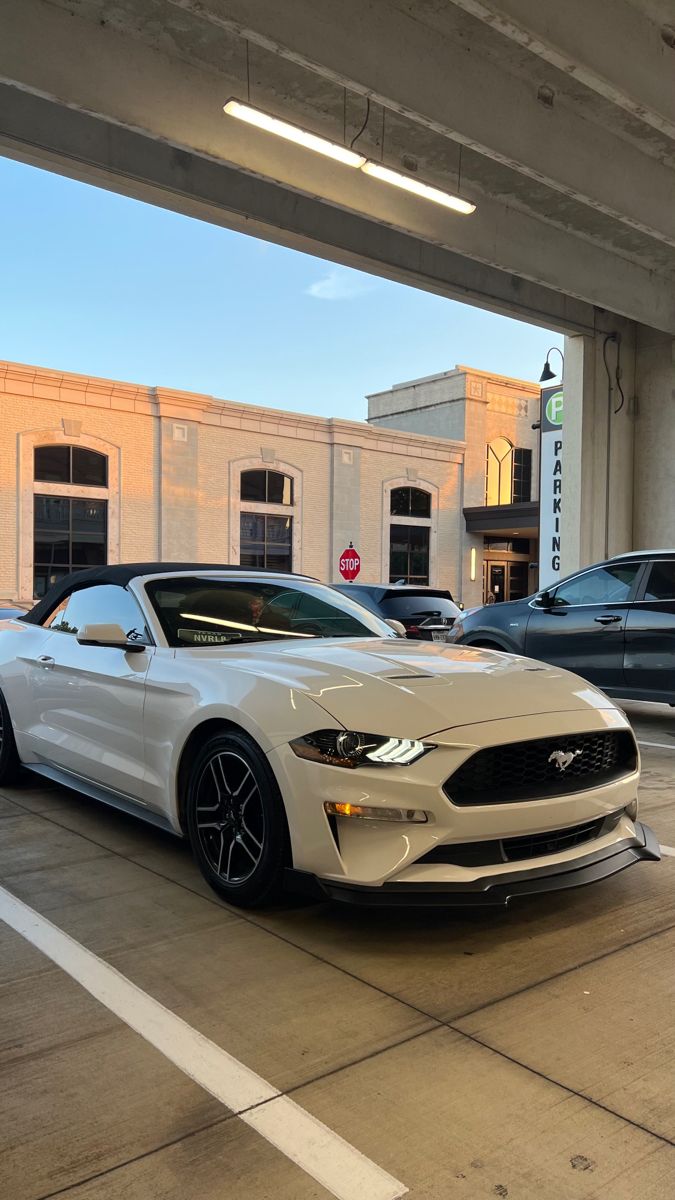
[108, 635]
[398, 628]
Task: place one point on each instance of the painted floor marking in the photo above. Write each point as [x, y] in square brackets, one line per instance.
[321, 1153]
[669, 850]
[658, 745]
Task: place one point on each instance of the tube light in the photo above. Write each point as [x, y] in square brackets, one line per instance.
[472, 575]
[418, 189]
[293, 133]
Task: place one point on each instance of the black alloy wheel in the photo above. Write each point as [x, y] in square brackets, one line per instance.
[236, 820]
[9, 759]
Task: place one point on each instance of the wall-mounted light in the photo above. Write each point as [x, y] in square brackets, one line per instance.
[547, 373]
[472, 572]
[293, 133]
[342, 154]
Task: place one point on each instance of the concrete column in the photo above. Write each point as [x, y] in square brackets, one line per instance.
[598, 452]
[654, 519]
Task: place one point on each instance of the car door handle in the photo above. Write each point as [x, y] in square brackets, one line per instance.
[46, 661]
[607, 620]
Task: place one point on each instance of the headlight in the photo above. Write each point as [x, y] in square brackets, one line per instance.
[343, 748]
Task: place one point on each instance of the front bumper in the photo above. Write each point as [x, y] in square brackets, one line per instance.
[492, 890]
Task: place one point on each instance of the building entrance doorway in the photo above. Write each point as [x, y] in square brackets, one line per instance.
[505, 581]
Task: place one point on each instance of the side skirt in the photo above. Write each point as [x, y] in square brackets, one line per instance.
[96, 791]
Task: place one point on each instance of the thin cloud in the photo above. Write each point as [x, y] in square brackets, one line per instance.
[341, 284]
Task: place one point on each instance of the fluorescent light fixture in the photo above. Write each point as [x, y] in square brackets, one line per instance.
[473, 564]
[342, 154]
[418, 189]
[293, 133]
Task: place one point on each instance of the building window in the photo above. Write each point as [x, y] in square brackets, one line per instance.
[266, 538]
[508, 545]
[70, 464]
[409, 553]
[508, 475]
[522, 475]
[409, 535]
[69, 534]
[266, 541]
[410, 502]
[70, 516]
[266, 487]
[266, 515]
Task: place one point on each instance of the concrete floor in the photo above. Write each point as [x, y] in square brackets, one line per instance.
[528, 1054]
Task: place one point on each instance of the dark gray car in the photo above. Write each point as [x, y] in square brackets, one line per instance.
[613, 623]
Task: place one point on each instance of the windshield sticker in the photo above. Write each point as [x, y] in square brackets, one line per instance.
[206, 637]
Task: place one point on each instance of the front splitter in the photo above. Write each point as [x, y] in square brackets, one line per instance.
[492, 890]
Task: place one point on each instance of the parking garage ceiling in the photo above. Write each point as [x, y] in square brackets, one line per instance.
[557, 121]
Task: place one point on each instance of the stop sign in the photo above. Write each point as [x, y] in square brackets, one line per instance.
[350, 563]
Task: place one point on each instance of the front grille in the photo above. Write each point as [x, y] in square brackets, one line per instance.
[528, 770]
[516, 849]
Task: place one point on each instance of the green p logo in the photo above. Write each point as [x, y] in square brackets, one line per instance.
[554, 409]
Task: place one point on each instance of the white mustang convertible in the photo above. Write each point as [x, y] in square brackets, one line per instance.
[294, 738]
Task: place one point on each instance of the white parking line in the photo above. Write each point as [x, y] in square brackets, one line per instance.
[669, 850]
[658, 745]
[323, 1154]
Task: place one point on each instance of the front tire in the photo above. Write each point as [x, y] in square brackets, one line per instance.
[9, 758]
[236, 820]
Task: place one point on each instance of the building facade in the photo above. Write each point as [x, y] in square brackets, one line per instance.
[438, 487]
[93, 470]
[496, 418]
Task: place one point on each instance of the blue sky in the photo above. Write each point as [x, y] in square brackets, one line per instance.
[99, 284]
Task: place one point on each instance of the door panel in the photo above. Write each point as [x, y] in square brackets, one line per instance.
[497, 581]
[649, 659]
[584, 628]
[87, 702]
[88, 711]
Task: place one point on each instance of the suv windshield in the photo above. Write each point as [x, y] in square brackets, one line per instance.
[212, 611]
[404, 606]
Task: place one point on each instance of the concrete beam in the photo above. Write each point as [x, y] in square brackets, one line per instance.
[138, 88]
[45, 134]
[597, 44]
[442, 83]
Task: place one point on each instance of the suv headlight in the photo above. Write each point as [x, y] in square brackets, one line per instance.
[344, 748]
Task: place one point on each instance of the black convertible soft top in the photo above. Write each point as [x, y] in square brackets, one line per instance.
[121, 575]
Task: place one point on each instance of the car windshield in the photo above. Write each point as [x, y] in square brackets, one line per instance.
[404, 606]
[212, 611]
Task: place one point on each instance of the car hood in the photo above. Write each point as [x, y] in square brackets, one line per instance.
[413, 689]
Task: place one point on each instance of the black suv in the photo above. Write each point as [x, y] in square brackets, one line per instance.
[613, 623]
[426, 613]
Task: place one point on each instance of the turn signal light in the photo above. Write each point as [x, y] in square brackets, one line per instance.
[367, 812]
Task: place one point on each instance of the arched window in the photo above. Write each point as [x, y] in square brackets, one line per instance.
[409, 535]
[267, 487]
[508, 475]
[410, 502]
[70, 515]
[70, 464]
[265, 523]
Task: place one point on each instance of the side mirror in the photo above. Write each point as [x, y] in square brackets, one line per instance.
[399, 629]
[108, 635]
[545, 600]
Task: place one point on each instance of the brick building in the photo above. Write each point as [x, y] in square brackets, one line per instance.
[94, 470]
[498, 516]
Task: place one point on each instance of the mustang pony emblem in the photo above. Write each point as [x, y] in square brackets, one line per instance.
[563, 758]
